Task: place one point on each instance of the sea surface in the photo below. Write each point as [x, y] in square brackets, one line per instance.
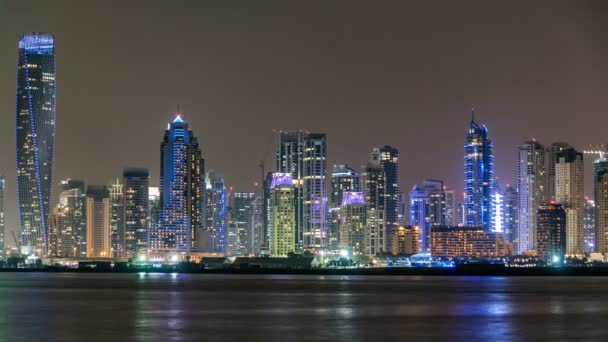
[194, 307]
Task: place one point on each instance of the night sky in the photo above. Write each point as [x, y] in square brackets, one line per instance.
[404, 73]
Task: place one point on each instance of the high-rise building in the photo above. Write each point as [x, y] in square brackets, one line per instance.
[531, 182]
[99, 244]
[405, 240]
[551, 231]
[2, 232]
[69, 233]
[353, 229]
[242, 208]
[467, 241]
[135, 194]
[510, 200]
[551, 158]
[35, 113]
[373, 185]
[600, 190]
[117, 219]
[343, 179]
[451, 207]
[479, 175]
[258, 222]
[303, 155]
[282, 215]
[154, 213]
[389, 159]
[589, 225]
[427, 209]
[181, 189]
[569, 191]
[216, 213]
[402, 209]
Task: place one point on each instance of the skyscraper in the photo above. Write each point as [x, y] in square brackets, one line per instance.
[551, 231]
[135, 182]
[389, 159]
[510, 200]
[373, 184]
[600, 190]
[451, 207]
[343, 179]
[282, 215]
[154, 213]
[35, 137]
[70, 231]
[242, 209]
[479, 175]
[303, 155]
[258, 222]
[99, 244]
[589, 225]
[531, 182]
[569, 191]
[2, 232]
[216, 213]
[353, 229]
[551, 158]
[427, 209]
[117, 219]
[181, 189]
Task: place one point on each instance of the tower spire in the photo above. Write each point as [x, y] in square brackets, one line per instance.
[472, 113]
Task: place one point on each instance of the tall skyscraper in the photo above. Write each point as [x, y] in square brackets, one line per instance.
[589, 225]
[451, 207]
[154, 213]
[242, 208]
[353, 229]
[551, 158]
[303, 155]
[99, 244]
[35, 113]
[569, 191]
[551, 231]
[600, 190]
[258, 222]
[498, 214]
[181, 189]
[2, 232]
[135, 182]
[282, 215]
[343, 179]
[427, 209]
[531, 182]
[479, 175]
[389, 159]
[117, 219]
[373, 184]
[510, 200]
[216, 213]
[70, 231]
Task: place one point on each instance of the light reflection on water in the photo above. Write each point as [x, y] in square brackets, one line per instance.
[178, 307]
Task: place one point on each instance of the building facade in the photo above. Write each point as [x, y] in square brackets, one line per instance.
[373, 185]
[569, 191]
[69, 227]
[354, 233]
[2, 218]
[216, 213]
[589, 225]
[99, 244]
[343, 179]
[510, 204]
[181, 189]
[36, 99]
[117, 219]
[427, 209]
[600, 190]
[479, 175]
[389, 160]
[242, 208]
[467, 241]
[282, 215]
[405, 240]
[551, 231]
[135, 207]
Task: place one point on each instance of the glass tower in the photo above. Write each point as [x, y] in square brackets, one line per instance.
[389, 159]
[35, 125]
[479, 176]
[135, 197]
[216, 212]
[343, 179]
[181, 189]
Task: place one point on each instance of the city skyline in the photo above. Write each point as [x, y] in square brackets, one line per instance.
[214, 113]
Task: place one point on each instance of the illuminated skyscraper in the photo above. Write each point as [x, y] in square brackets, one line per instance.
[531, 184]
[69, 233]
[389, 159]
[242, 208]
[282, 215]
[117, 219]
[99, 244]
[589, 225]
[216, 213]
[154, 213]
[451, 207]
[135, 182]
[373, 184]
[2, 232]
[551, 231]
[343, 179]
[181, 189]
[479, 175]
[35, 137]
[427, 209]
[354, 235]
[600, 190]
[569, 191]
[551, 158]
[510, 211]
[303, 155]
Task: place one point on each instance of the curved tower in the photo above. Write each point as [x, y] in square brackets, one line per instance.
[35, 125]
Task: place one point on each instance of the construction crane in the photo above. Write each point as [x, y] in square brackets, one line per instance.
[598, 150]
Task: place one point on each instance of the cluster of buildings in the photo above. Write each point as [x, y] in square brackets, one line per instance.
[300, 206]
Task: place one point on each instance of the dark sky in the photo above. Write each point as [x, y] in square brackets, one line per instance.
[367, 73]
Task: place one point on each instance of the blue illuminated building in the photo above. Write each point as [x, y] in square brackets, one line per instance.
[479, 176]
[216, 213]
[181, 190]
[35, 118]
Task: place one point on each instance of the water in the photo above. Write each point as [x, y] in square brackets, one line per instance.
[180, 307]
